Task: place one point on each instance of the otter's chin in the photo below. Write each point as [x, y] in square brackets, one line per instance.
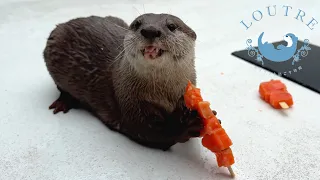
[152, 52]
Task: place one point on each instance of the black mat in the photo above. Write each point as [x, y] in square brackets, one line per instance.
[307, 69]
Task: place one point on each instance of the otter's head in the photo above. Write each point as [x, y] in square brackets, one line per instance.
[291, 39]
[159, 40]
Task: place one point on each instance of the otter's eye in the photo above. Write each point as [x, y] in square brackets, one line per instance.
[136, 25]
[172, 27]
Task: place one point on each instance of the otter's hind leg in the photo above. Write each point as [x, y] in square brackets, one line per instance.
[64, 103]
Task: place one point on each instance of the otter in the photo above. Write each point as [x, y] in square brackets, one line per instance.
[132, 77]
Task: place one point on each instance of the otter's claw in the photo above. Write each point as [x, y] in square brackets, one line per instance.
[215, 113]
[58, 106]
[64, 103]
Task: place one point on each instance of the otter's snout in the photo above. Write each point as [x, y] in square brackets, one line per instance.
[150, 32]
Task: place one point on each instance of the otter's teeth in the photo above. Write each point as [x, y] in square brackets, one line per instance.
[149, 49]
[151, 52]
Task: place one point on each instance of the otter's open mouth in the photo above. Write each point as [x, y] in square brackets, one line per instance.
[152, 52]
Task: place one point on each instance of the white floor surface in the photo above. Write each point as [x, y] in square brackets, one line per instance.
[268, 144]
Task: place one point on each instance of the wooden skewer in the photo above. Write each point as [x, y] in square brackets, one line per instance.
[284, 105]
[231, 171]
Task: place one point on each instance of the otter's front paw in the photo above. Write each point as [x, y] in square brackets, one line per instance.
[194, 126]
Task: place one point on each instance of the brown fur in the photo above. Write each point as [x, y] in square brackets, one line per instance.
[95, 63]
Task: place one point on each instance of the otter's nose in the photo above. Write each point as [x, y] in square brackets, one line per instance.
[150, 33]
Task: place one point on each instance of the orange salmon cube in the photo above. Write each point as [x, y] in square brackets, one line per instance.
[192, 96]
[204, 110]
[277, 96]
[208, 143]
[266, 88]
[192, 100]
[216, 141]
[210, 125]
[225, 158]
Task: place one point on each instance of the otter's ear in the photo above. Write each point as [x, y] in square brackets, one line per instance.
[193, 34]
[190, 32]
[135, 25]
[187, 30]
[183, 27]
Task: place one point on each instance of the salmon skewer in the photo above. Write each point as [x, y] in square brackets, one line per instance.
[276, 94]
[213, 135]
